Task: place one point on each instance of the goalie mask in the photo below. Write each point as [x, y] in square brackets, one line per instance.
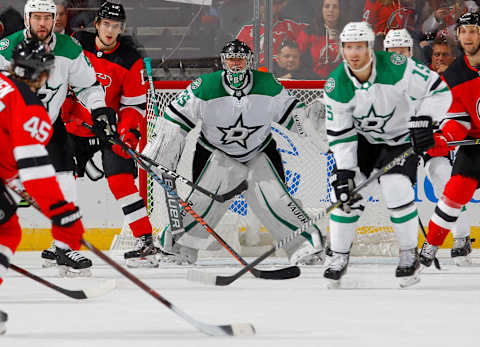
[358, 32]
[30, 58]
[236, 70]
[46, 6]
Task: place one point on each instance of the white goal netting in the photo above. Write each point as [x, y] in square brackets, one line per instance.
[307, 168]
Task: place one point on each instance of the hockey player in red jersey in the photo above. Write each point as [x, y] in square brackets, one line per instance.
[119, 69]
[25, 129]
[462, 121]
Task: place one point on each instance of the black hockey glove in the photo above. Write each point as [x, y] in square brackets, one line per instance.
[104, 122]
[421, 133]
[343, 183]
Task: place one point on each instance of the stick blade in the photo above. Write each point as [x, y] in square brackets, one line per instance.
[202, 277]
[240, 329]
[280, 274]
[104, 288]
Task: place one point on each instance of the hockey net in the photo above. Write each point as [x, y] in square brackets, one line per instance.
[307, 167]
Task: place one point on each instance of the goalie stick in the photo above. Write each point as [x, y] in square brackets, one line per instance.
[280, 274]
[80, 294]
[239, 329]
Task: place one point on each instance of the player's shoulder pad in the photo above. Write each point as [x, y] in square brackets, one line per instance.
[338, 86]
[390, 67]
[85, 39]
[29, 97]
[66, 47]
[7, 44]
[208, 86]
[265, 83]
[458, 72]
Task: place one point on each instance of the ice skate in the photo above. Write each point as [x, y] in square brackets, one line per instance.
[462, 247]
[144, 253]
[3, 322]
[306, 254]
[49, 256]
[408, 268]
[185, 255]
[336, 267]
[427, 254]
[72, 263]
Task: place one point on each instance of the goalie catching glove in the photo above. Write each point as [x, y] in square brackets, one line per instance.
[104, 122]
[421, 133]
[343, 183]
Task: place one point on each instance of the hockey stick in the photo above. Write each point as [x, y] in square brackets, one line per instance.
[468, 142]
[80, 294]
[239, 329]
[396, 161]
[280, 274]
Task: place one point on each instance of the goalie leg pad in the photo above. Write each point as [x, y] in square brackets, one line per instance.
[399, 197]
[268, 197]
[221, 174]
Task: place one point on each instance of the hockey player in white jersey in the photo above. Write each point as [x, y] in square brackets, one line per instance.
[236, 107]
[73, 69]
[437, 169]
[378, 105]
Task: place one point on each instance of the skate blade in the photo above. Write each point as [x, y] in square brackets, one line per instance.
[463, 261]
[47, 263]
[3, 328]
[405, 282]
[147, 262]
[334, 284]
[65, 271]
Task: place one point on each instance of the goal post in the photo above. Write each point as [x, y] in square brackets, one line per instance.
[307, 165]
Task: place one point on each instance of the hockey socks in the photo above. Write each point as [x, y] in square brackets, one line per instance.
[458, 191]
[125, 191]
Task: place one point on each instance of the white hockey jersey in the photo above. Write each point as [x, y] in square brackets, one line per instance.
[239, 126]
[71, 68]
[380, 108]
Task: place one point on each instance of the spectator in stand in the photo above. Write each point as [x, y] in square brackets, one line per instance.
[11, 21]
[443, 18]
[289, 63]
[443, 54]
[321, 38]
[283, 29]
[384, 15]
[61, 23]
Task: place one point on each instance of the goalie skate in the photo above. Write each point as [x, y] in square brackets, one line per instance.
[49, 257]
[72, 264]
[3, 322]
[408, 268]
[462, 247]
[306, 254]
[143, 255]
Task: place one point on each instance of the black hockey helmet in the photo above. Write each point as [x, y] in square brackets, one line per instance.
[111, 10]
[469, 18]
[30, 58]
[236, 49]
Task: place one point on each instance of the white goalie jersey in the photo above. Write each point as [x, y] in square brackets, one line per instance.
[237, 126]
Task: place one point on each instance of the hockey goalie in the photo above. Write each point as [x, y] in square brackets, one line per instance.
[236, 107]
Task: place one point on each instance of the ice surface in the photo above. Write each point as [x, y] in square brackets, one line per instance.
[442, 310]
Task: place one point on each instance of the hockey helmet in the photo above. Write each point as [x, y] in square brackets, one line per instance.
[236, 49]
[398, 38]
[358, 32]
[111, 10]
[47, 6]
[30, 58]
[469, 18]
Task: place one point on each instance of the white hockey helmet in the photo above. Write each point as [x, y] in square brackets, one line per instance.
[358, 32]
[47, 6]
[398, 38]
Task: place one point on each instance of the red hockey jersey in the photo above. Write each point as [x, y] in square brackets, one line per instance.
[386, 17]
[463, 117]
[25, 129]
[120, 73]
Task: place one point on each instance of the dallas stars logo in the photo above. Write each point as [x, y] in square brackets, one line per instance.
[372, 121]
[237, 133]
[47, 93]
